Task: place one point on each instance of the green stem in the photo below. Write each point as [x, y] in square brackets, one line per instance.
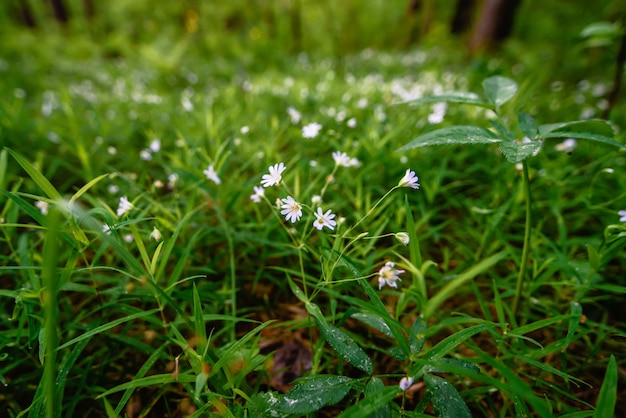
[526, 247]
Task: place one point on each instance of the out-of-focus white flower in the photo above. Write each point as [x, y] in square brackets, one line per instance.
[212, 175]
[155, 145]
[622, 214]
[294, 115]
[351, 123]
[42, 206]
[155, 234]
[316, 200]
[258, 194]
[311, 130]
[124, 206]
[566, 146]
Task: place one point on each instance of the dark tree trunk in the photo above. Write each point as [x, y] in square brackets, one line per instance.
[494, 23]
[60, 12]
[463, 16]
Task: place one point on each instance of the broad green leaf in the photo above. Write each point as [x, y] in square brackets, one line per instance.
[607, 397]
[36, 175]
[499, 90]
[503, 131]
[594, 130]
[340, 341]
[418, 335]
[374, 321]
[454, 97]
[445, 398]
[313, 393]
[454, 135]
[527, 125]
[375, 404]
[516, 152]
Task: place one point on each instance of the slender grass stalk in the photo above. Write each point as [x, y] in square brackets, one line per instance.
[525, 250]
[51, 314]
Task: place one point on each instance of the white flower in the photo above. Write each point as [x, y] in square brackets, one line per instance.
[155, 146]
[403, 237]
[275, 175]
[439, 111]
[341, 158]
[155, 234]
[409, 180]
[291, 209]
[388, 275]
[316, 200]
[42, 206]
[259, 192]
[351, 123]
[622, 214]
[145, 155]
[566, 146]
[311, 130]
[406, 383]
[124, 206]
[106, 229]
[294, 115]
[324, 219]
[212, 175]
[128, 238]
[353, 162]
[244, 130]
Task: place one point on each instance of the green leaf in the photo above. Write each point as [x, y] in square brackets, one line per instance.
[313, 393]
[527, 125]
[444, 346]
[376, 401]
[607, 397]
[36, 175]
[594, 130]
[375, 321]
[574, 322]
[340, 341]
[445, 398]
[499, 90]
[454, 135]
[418, 335]
[516, 152]
[602, 29]
[454, 97]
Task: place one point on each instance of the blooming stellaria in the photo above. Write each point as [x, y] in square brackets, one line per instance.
[622, 214]
[259, 192]
[211, 174]
[275, 175]
[403, 237]
[155, 234]
[388, 275]
[291, 209]
[311, 130]
[406, 383]
[324, 219]
[124, 206]
[343, 160]
[409, 180]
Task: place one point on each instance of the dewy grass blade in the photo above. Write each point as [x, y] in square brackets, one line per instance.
[607, 398]
[36, 175]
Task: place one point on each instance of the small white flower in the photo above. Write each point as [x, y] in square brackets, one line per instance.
[42, 206]
[311, 130]
[324, 219]
[155, 234]
[316, 200]
[291, 209]
[259, 192]
[106, 229]
[124, 206]
[388, 275]
[212, 175]
[622, 214]
[128, 238]
[294, 115]
[244, 130]
[354, 162]
[409, 180]
[341, 159]
[155, 145]
[439, 111]
[145, 155]
[406, 383]
[351, 123]
[566, 146]
[275, 175]
[403, 237]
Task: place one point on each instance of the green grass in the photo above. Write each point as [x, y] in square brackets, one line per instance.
[232, 304]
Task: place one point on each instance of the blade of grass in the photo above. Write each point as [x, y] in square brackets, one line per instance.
[607, 397]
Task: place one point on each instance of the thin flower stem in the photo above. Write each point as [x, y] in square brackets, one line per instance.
[526, 247]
